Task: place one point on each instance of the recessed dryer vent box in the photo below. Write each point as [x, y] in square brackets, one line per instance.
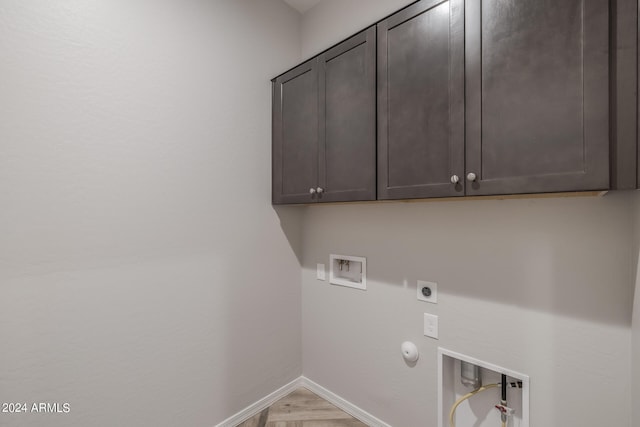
[346, 270]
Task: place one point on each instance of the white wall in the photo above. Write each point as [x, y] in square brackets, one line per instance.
[541, 286]
[635, 338]
[331, 21]
[145, 278]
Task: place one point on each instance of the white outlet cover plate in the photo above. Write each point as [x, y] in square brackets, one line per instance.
[320, 274]
[430, 325]
[433, 299]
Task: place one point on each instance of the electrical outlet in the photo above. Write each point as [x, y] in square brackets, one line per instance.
[320, 274]
[431, 325]
[428, 291]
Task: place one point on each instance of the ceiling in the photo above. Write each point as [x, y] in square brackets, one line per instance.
[302, 5]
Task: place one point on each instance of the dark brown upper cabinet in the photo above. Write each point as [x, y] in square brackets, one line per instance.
[493, 97]
[474, 97]
[324, 133]
[537, 96]
[295, 134]
[624, 87]
[421, 101]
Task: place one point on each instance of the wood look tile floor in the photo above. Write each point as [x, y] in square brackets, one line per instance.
[302, 408]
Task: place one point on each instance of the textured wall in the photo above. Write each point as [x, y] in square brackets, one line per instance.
[331, 21]
[635, 338]
[543, 287]
[144, 276]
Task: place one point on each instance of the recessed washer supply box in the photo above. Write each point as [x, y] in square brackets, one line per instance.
[347, 270]
[480, 409]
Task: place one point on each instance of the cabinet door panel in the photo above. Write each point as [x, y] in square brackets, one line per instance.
[347, 137]
[420, 101]
[295, 134]
[537, 95]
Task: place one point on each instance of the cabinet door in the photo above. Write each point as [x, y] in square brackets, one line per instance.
[421, 101]
[295, 135]
[537, 117]
[624, 107]
[347, 120]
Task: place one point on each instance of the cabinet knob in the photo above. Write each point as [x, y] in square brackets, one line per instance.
[320, 190]
[312, 190]
[455, 179]
[471, 177]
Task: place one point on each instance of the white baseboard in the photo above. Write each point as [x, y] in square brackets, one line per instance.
[343, 404]
[329, 396]
[261, 404]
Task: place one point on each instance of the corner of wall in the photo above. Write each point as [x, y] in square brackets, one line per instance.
[635, 333]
